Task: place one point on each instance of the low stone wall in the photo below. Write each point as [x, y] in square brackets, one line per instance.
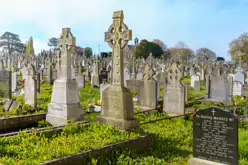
[138, 144]
[20, 121]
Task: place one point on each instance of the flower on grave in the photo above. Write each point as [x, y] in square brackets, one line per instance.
[99, 102]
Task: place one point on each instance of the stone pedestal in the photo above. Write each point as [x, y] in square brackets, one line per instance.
[117, 108]
[196, 161]
[65, 104]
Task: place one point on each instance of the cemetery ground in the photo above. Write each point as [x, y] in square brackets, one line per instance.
[173, 142]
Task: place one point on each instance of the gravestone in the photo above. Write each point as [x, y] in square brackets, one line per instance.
[239, 76]
[174, 96]
[5, 82]
[194, 78]
[220, 89]
[148, 89]
[197, 86]
[14, 81]
[237, 88]
[215, 137]
[65, 103]
[95, 78]
[117, 102]
[103, 75]
[31, 87]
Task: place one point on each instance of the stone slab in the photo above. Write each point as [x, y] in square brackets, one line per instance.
[197, 161]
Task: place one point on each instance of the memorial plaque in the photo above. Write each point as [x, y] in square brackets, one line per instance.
[215, 133]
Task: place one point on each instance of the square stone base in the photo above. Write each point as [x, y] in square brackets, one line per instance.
[120, 124]
[59, 114]
[197, 161]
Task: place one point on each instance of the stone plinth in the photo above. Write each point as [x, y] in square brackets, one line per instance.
[196, 161]
[65, 104]
[117, 108]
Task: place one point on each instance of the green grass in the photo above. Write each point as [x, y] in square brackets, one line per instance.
[30, 149]
[173, 146]
[89, 95]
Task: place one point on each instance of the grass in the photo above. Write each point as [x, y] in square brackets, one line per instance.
[173, 146]
[31, 149]
[89, 95]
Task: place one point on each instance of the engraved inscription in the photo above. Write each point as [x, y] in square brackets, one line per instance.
[111, 105]
[216, 136]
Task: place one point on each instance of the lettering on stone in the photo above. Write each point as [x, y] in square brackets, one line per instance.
[215, 133]
[111, 105]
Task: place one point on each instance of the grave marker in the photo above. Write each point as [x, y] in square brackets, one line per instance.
[215, 137]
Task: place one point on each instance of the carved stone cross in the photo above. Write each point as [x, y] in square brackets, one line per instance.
[117, 37]
[175, 74]
[67, 45]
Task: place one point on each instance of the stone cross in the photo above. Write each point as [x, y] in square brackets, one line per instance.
[67, 45]
[175, 74]
[117, 37]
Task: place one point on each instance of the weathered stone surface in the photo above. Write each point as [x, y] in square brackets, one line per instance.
[5, 84]
[65, 104]
[117, 103]
[174, 96]
[196, 161]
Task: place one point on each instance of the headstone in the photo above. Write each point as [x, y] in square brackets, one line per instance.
[65, 103]
[117, 102]
[174, 101]
[14, 105]
[148, 90]
[5, 83]
[194, 78]
[237, 88]
[215, 137]
[95, 78]
[31, 87]
[197, 86]
[14, 81]
[220, 89]
[239, 76]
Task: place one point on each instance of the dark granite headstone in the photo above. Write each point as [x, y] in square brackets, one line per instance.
[103, 75]
[215, 133]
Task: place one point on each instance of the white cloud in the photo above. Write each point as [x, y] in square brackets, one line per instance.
[170, 21]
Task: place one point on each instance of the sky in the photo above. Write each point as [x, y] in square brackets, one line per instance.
[198, 23]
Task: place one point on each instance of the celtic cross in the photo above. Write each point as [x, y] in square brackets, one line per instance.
[117, 37]
[67, 45]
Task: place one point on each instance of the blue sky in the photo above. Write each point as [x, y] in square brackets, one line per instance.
[198, 23]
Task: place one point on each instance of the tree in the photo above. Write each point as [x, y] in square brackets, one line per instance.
[145, 48]
[238, 48]
[220, 59]
[205, 55]
[11, 42]
[181, 52]
[88, 52]
[53, 42]
[161, 44]
[79, 51]
[30, 47]
[104, 54]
